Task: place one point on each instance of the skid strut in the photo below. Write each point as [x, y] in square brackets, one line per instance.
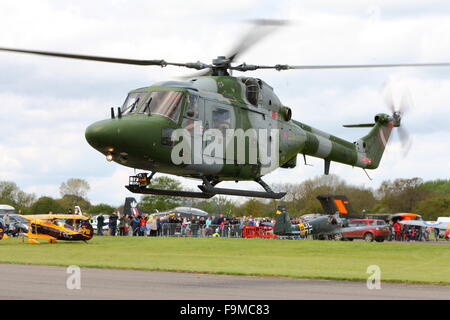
[140, 184]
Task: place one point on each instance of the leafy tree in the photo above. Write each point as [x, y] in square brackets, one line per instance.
[46, 204]
[253, 207]
[432, 208]
[11, 194]
[439, 186]
[102, 208]
[76, 187]
[154, 203]
[302, 198]
[69, 201]
[401, 195]
[217, 205]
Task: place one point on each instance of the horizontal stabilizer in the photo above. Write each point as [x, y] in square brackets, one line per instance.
[360, 125]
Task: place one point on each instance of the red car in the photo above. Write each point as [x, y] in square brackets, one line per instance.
[379, 232]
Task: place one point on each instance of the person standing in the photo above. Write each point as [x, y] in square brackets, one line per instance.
[122, 224]
[113, 224]
[100, 224]
[154, 227]
[436, 233]
[135, 225]
[7, 222]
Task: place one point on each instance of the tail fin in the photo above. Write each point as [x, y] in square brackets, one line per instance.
[86, 230]
[282, 222]
[375, 141]
[333, 204]
[131, 207]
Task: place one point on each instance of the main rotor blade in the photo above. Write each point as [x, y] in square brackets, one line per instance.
[261, 29]
[161, 63]
[92, 58]
[279, 67]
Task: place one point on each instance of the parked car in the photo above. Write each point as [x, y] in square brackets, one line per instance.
[379, 232]
[17, 224]
[93, 222]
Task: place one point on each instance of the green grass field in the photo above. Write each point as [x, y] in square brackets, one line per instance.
[400, 262]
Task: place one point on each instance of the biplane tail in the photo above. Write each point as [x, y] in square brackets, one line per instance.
[86, 231]
[131, 207]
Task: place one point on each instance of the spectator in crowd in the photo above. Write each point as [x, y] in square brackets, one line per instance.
[149, 225]
[436, 234]
[251, 221]
[122, 225]
[208, 228]
[7, 222]
[142, 225]
[135, 225]
[154, 226]
[113, 224]
[222, 227]
[100, 224]
[158, 226]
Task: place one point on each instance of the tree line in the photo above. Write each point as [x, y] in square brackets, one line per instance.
[430, 199]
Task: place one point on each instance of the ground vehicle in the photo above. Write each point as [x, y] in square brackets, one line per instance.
[93, 222]
[17, 224]
[379, 232]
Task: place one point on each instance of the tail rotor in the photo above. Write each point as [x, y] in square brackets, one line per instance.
[398, 108]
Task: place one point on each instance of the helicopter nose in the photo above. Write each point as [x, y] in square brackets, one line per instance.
[103, 135]
[130, 139]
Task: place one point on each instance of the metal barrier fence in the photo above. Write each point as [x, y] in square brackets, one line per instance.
[200, 230]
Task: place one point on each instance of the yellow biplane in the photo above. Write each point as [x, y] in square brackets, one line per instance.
[53, 227]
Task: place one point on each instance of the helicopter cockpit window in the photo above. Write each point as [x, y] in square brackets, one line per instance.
[192, 108]
[252, 90]
[221, 119]
[132, 101]
[164, 103]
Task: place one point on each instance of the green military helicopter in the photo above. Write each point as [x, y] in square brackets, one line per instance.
[258, 133]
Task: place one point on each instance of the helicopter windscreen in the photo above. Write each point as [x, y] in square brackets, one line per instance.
[132, 101]
[164, 103]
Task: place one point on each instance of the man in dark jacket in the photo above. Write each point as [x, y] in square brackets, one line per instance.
[100, 224]
[113, 224]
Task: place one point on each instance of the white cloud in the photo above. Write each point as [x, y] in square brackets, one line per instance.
[46, 103]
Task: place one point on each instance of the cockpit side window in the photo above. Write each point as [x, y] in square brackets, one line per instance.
[192, 108]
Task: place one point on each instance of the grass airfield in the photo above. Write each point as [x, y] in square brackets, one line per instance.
[341, 260]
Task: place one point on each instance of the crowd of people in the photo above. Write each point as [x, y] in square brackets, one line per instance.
[403, 232]
[169, 225]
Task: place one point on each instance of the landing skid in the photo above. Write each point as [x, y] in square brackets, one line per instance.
[140, 183]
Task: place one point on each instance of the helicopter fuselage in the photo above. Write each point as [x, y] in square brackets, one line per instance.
[141, 135]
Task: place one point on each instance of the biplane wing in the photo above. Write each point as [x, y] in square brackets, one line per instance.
[33, 237]
[45, 217]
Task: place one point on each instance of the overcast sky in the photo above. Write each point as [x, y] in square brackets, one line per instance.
[47, 103]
